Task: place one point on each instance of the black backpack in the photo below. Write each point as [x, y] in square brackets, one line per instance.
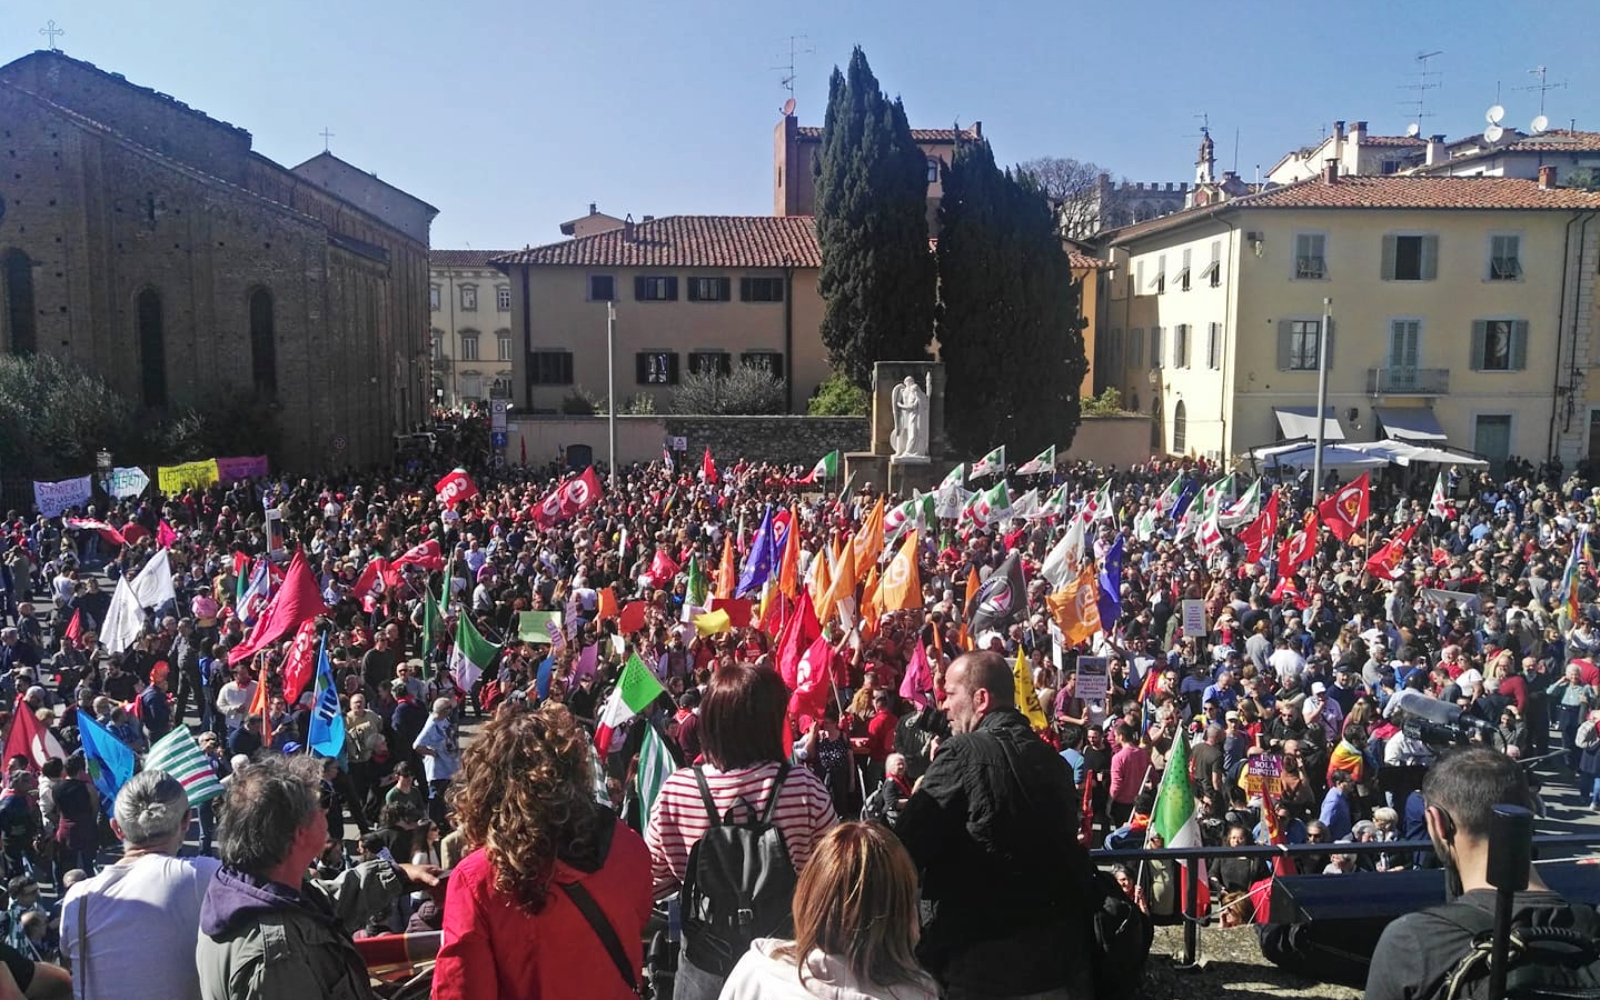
[740, 882]
[1123, 934]
[1544, 963]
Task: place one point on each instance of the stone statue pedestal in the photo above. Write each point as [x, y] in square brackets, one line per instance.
[881, 467]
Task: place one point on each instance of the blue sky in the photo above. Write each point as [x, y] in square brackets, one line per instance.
[511, 118]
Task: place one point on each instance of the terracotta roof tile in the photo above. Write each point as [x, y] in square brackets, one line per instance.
[688, 241]
[463, 258]
[1559, 142]
[1083, 261]
[813, 133]
[1399, 192]
[1394, 140]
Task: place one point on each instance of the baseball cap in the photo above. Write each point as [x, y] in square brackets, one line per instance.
[1318, 688]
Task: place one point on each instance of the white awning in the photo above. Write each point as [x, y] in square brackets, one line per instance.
[1406, 453]
[1303, 456]
[1410, 423]
[1301, 422]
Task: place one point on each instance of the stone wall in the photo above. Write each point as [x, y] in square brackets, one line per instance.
[794, 440]
[1121, 441]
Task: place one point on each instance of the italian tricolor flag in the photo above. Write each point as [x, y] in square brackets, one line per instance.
[635, 690]
[1174, 819]
[471, 656]
[827, 467]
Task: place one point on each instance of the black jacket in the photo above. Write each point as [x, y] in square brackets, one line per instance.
[993, 832]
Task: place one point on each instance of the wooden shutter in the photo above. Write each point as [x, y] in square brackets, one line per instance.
[1519, 344]
[1285, 333]
[1386, 267]
[1430, 258]
[672, 289]
[1480, 336]
[672, 359]
[724, 289]
[641, 368]
[1155, 347]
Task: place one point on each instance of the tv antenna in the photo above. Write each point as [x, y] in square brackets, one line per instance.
[1543, 85]
[795, 50]
[1427, 79]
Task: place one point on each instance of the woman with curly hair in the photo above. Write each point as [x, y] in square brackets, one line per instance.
[542, 852]
[855, 927]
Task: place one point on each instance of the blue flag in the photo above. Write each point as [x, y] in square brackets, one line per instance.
[763, 557]
[541, 680]
[1110, 599]
[327, 722]
[1186, 496]
[109, 759]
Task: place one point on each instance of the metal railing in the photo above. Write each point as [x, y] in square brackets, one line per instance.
[1192, 856]
[1408, 381]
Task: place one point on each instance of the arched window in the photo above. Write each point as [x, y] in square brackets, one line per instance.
[16, 281]
[1180, 429]
[152, 349]
[263, 343]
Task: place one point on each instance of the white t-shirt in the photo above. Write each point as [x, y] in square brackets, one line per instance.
[142, 922]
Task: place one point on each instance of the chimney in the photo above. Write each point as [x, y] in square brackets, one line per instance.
[1338, 141]
[627, 229]
[593, 210]
[1338, 131]
[977, 129]
[1547, 177]
[1435, 152]
[1330, 171]
[1358, 131]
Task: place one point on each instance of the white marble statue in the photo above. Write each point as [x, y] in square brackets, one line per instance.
[910, 437]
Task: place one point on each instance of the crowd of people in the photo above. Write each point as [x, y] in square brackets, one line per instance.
[920, 786]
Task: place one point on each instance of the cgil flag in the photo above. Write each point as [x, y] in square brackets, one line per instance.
[181, 757]
[635, 690]
[326, 735]
[655, 764]
[991, 464]
[471, 655]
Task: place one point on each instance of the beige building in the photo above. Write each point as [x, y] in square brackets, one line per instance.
[691, 293]
[469, 304]
[1358, 153]
[1462, 312]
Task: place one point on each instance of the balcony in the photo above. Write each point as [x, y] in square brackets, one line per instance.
[1408, 381]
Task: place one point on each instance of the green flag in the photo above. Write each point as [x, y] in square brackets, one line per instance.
[655, 763]
[472, 654]
[1173, 816]
[695, 591]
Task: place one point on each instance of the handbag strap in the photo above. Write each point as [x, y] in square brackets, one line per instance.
[602, 927]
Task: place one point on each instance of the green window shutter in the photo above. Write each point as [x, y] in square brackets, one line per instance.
[1386, 267]
[672, 292]
[1285, 333]
[639, 290]
[1430, 258]
[1480, 334]
[1519, 344]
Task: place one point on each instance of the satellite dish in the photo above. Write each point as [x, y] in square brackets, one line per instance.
[1494, 114]
[788, 107]
[1413, 129]
[1493, 133]
[1540, 124]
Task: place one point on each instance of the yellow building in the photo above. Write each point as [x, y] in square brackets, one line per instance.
[1087, 271]
[1461, 311]
[691, 293]
[469, 304]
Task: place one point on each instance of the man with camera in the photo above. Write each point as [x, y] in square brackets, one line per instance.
[1419, 951]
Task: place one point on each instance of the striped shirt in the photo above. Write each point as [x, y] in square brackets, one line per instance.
[678, 821]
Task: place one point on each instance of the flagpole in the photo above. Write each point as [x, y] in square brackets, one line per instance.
[1322, 399]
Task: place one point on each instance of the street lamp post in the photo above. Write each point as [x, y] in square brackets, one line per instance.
[1322, 398]
[611, 389]
[103, 464]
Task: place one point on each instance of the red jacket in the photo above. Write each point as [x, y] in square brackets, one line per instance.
[493, 948]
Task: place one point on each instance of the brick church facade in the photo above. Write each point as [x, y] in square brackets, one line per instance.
[148, 243]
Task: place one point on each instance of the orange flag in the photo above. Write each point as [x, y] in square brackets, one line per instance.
[1075, 607]
[870, 610]
[258, 704]
[973, 586]
[727, 573]
[868, 542]
[821, 579]
[789, 562]
[607, 606]
[901, 587]
[845, 579]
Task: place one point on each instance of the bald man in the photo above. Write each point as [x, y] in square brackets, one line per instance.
[995, 802]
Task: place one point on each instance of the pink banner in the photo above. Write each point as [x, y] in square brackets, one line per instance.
[235, 470]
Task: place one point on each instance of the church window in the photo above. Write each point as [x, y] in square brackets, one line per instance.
[152, 348]
[16, 281]
[263, 344]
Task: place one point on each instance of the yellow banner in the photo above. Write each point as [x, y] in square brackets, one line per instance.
[177, 478]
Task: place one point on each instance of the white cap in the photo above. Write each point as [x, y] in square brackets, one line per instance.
[1318, 687]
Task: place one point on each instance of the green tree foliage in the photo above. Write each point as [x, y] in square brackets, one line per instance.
[1009, 331]
[877, 278]
[54, 417]
[745, 390]
[838, 397]
[1107, 404]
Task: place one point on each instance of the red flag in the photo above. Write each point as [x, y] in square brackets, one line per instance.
[301, 663]
[662, 569]
[29, 739]
[1258, 534]
[708, 467]
[918, 681]
[799, 632]
[455, 487]
[165, 535]
[297, 601]
[1299, 546]
[631, 618]
[1347, 509]
[426, 555]
[106, 531]
[372, 583]
[1388, 563]
[773, 615]
[739, 609]
[1441, 557]
[580, 493]
[1086, 807]
[813, 681]
[74, 630]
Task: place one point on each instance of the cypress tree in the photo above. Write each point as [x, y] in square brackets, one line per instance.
[878, 277]
[1009, 332]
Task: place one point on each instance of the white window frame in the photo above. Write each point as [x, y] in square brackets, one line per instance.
[502, 298]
